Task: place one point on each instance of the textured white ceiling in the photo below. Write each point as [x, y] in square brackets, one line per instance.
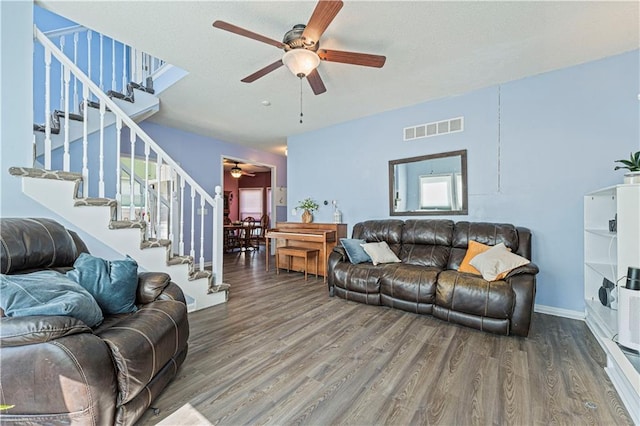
[433, 50]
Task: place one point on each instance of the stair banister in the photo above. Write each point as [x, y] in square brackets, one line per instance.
[136, 132]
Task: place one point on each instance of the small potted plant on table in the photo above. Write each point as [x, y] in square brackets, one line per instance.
[308, 206]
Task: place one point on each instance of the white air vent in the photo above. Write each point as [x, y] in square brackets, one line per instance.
[427, 130]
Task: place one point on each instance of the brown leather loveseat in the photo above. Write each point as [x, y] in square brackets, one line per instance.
[56, 369]
[427, 280]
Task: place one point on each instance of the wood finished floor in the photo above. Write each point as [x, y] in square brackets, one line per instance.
[281, 351]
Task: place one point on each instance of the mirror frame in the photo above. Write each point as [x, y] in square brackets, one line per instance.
[463, 160]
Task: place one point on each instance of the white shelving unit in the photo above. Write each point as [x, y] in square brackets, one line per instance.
[607, 255]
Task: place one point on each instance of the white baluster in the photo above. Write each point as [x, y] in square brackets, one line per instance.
[103, 110]
[85, 141]
[89, 37]
[170, 197]
[132, 206]
[146, 187]
[101, 60]
[66, 158]
[75, 79]
[62, 75]
[113, 66]
[124, 66]
[118, 168]
[202, 232]
[192, 252]
[47, 109]
[181, 244]
[158, 194]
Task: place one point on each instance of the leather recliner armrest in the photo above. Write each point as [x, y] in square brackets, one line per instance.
[19, 331]
[529, 268]
[150, 286]
[341, 251]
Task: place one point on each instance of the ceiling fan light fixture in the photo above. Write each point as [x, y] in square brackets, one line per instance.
[301, 61]
[236, 171]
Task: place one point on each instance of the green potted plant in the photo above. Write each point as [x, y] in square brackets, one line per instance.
[308, 206]
[633, 165]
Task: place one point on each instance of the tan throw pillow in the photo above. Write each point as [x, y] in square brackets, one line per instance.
[497, 262]
[380, 253]
[474, 248]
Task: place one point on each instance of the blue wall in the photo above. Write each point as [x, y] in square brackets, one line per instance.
[535, 147]
[201, 157]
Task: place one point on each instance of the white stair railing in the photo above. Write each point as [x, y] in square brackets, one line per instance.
[90, 154]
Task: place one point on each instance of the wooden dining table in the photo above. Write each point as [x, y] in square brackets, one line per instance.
[242, 237]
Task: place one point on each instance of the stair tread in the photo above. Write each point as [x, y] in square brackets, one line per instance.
[154, 243]
[100, 202]
[179, 260]
[72, 116]
[127, 224]
[44, 174]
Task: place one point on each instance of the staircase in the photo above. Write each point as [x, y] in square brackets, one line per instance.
[131, 196]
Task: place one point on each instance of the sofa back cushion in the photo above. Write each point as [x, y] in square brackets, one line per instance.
[427, 242]
[34, 243]
[482, 232]
[373, 231]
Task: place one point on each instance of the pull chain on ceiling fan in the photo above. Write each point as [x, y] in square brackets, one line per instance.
[302, 48]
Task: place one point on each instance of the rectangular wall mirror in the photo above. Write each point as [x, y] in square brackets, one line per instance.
[433, 184]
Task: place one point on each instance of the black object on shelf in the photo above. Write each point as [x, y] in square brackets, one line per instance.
[605, 293]
[633, 278]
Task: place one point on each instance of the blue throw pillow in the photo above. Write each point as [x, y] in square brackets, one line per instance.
[112, 283]
[355, 252]
[47, 293]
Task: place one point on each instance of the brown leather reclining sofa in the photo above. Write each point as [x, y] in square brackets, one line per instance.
[57, 370]
[427, 280]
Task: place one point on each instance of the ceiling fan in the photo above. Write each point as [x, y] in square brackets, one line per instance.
[236, 171]
[302, 47]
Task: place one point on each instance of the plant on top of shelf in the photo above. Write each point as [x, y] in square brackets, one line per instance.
[632, 164]
[307, 204]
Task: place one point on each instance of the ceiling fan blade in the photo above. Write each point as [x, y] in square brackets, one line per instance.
[264, 71]
[352, 58]
[246, 33]
[322, 16]
[316, 82]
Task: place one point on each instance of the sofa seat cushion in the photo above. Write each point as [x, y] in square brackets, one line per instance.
[143, 342]
[471, 294]
[409, 287]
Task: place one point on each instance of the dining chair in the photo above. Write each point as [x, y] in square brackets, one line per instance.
[251, 233]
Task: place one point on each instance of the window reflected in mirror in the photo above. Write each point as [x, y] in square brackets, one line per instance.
[429, 185]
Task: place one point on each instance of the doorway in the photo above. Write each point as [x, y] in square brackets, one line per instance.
[248, 199]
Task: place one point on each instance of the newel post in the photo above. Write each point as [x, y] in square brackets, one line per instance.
[218, 233]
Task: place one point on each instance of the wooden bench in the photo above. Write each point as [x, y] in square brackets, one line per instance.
[301, 252]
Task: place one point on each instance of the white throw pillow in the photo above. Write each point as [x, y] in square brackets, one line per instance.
[497, 260]
[380, 253]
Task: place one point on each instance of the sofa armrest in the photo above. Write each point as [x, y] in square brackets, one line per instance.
[524, 288]
[341, 251]
[529, 268]
[172, 292]
[20, 331]
[154, 286]
[150, 286]
[337, 255]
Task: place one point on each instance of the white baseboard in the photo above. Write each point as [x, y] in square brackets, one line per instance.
[559, 312]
